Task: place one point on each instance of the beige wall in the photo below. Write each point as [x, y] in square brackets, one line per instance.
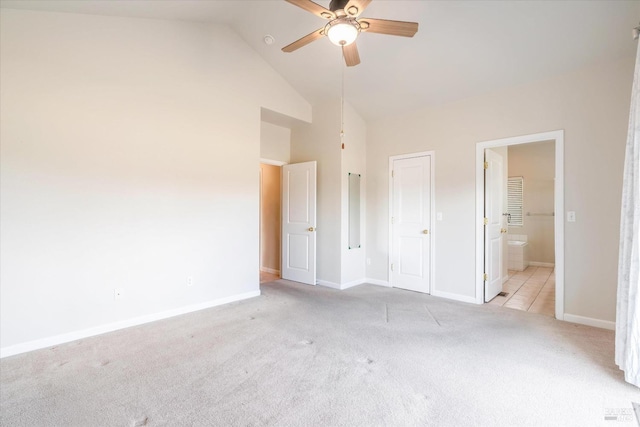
[270, 218]
[320, 141]
[536, 164]
[353, 161]
[275, 142]
[591, 105]
[128, 160]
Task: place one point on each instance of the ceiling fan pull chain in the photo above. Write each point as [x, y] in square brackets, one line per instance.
[342, 67]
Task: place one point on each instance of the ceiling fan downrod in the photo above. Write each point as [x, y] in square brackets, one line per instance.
[339, 5]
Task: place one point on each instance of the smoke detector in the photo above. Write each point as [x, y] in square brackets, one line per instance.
[268, 39]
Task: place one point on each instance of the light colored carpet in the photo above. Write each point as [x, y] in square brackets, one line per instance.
[312, 356]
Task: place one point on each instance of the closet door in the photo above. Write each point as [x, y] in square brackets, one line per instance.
[411, 224]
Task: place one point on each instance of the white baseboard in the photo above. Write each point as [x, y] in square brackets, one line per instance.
[328, 284]
[270, 270]
[604, 324]
[342, 287]
[541, 264]
[505, 279]
[384, 283]
[110, 327]
[455, 297]
[353, 283]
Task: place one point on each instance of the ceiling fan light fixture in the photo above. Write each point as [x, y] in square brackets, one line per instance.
[342, 32]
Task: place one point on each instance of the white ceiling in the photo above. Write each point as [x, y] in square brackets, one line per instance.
[462, 48]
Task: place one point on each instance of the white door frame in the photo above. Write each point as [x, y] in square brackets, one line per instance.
[432, 228]
[558, 137]
[273, 162]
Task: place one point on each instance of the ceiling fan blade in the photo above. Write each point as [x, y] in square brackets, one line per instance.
[314, 8]
[384, 26]
[304, 40]
[356, 7]
[351, 56]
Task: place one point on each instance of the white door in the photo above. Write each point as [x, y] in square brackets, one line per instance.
[299, 222]
[493, 230]
[411, 223]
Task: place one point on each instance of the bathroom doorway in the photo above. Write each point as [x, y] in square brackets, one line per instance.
[530, 257]
[520, 249]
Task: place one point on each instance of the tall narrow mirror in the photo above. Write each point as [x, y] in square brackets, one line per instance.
[354, 210]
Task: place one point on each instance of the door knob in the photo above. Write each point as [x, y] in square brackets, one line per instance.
[425, 231]
[311, 229]
[502, 230]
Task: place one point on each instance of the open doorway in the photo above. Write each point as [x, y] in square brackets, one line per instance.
[528, 263]
[520, 237]
[270, 220]
[288, 221]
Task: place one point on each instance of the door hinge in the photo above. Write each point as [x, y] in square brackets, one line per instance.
[486, 165]
[392, 174]
[485, 277]
[486, 221]
[391, 266]
[391, 220]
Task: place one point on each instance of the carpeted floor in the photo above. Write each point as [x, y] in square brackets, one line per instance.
[311, 356]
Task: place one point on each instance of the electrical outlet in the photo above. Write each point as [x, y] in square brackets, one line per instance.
[117, 294]
[439, 216]
[368, 261]
[190, 281]
[571, 216]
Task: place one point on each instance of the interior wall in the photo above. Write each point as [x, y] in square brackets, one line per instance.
[353, 161]
[337, 265]
[275, 142]
[128, 160]
[270, 219]
[591, 105]
[536, 164]
[320, 141]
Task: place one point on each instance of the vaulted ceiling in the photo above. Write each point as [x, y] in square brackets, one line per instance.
[462, 48]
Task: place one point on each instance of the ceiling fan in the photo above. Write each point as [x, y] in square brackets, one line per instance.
[345, 25]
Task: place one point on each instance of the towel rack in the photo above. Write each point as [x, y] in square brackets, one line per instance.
[540, 214]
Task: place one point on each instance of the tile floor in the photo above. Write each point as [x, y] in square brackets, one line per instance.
[532, 290]
[268, 277]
